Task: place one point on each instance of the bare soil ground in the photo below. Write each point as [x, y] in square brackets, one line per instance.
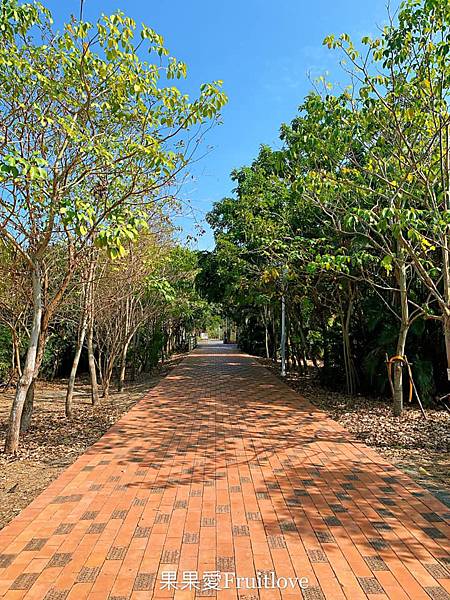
[419, 447]
[53, 442]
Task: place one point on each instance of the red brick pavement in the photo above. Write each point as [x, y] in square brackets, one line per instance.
[223, 468]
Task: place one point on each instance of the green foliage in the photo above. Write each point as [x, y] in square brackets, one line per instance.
[5, 353]
[350, 219]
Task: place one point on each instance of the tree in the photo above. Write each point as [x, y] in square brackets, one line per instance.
[92, 138]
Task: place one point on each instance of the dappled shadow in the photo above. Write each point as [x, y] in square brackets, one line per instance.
[222, 411]
[222, 454]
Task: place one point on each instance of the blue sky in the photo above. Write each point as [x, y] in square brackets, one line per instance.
[266, 53]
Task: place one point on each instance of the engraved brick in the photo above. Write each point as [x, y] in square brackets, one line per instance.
[139, 501]
[437, 592]
[370, 585]
[88, 574]
[144, 582]
[95, 487]
[65, 499]
[332, 521]
[317, 556]
[222, 508]
[378, 543]
[116, 553]
[313, 592]
[276, 541]
[240, 530]
[225, 563]
[61, 559]
[162, 518]
[325, 537]
[271, 485]
[64, 528]
[96, 528]
[307, 482]
[36, 544]
[384, 512]
[338, 508]
[288, 526]
[381, 525]
[180, 504]
[170, 557]
[89, 515]
[54, 594]
[262, 496]
[376, 563]
[388, 501]
[433, 533]
[390, 479]
[234, 489]
[342, 496]
[432, 517]
[437, 571]
[6, 560]
[191, 538]
[253, 516]
[141, 532]
[208, 522]
[24, 581]
[119, 514]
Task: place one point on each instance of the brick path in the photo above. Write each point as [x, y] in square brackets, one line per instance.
[222, 467]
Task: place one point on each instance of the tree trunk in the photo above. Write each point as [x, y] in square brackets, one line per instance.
[123, 365]
[27, 412]
[16, 352]
[446, 324]
[107, 375]
[266, 330]
[350, 371]
[91, 361]
[73, 371]
[87, 309]
[29, 369]
[401, 340]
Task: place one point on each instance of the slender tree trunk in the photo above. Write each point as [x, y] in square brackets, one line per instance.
[27, 412]
[401, 340]
[445, 174]
[16, 352]
[123, 365]
[350, 371]
[82, 335]
[29, 369]
[266, 330]
[91, 361]
[275, 337]
[446, 324]
[76, 360]
[107, 375]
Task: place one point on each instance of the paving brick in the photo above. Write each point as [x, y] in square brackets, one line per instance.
[222, 467]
